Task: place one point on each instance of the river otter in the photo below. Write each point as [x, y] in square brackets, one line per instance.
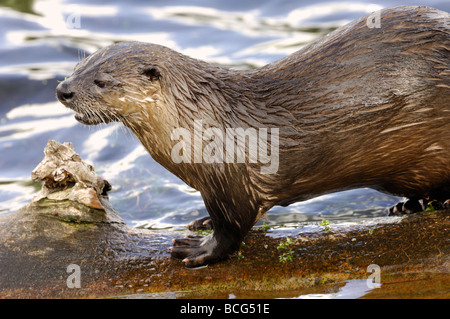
[365, 106]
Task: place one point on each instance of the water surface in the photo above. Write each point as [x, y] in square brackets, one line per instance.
[41, 41]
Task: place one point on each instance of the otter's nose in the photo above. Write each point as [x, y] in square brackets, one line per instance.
[63, 93]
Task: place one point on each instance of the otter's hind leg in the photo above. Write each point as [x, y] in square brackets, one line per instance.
[411, 206]
[417, 204]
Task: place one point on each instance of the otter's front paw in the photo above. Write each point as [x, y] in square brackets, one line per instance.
[201, 224]
[196, 251]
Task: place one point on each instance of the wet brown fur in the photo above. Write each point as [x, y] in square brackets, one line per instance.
[361, 107]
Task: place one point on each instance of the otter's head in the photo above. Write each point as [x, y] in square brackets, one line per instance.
[113, 83]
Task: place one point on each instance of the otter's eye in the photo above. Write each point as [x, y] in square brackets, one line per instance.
[100, 84]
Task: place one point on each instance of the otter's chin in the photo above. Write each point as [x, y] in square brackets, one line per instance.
[87, 120]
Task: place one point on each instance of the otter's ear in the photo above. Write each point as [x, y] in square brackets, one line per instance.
[152, 73]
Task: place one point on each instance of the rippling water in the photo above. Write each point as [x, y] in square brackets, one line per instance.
[41, 41]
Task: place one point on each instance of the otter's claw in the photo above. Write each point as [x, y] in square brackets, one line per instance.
[200, 224]
[447, 204]
[195, 251]
[188, 241]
